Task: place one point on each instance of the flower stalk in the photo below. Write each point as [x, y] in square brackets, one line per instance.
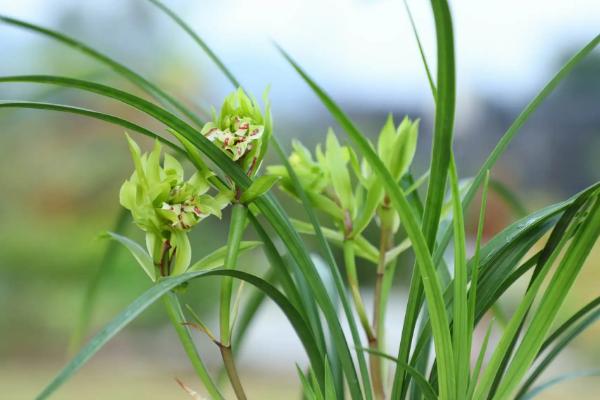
[350, 264]
[236, 230]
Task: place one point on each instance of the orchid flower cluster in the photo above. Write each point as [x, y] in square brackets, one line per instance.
[166, 206]
[345, 189]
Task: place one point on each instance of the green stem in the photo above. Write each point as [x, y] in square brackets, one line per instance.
[350, 263]
[378, 299]
[177, 320]
[236, 230]
[237, 226]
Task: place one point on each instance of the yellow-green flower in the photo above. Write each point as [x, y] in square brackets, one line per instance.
[337, 184]
[241, 130]
[165, 205]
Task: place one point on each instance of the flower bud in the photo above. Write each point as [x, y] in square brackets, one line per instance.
[396, 146]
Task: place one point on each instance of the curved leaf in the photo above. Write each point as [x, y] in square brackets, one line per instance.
[461, 331]
[445, 107]
[119, 68]
[160, 114]
[162, 288]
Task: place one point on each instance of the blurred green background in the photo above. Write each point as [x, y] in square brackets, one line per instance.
[60, 174]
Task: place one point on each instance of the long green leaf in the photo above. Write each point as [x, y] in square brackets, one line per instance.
[472, 301]
[164, 287]
[445, 104]
[119, 68]
[160, 114]
[444, 120]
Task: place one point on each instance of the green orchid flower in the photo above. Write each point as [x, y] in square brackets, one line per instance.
[241, 130]
[336, 182]
[166, 206]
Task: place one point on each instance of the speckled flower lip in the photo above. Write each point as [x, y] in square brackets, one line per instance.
[241, 130]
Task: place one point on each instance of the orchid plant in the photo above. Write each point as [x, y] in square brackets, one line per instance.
[344, 188]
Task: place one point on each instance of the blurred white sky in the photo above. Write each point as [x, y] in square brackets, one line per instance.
[364, 49]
